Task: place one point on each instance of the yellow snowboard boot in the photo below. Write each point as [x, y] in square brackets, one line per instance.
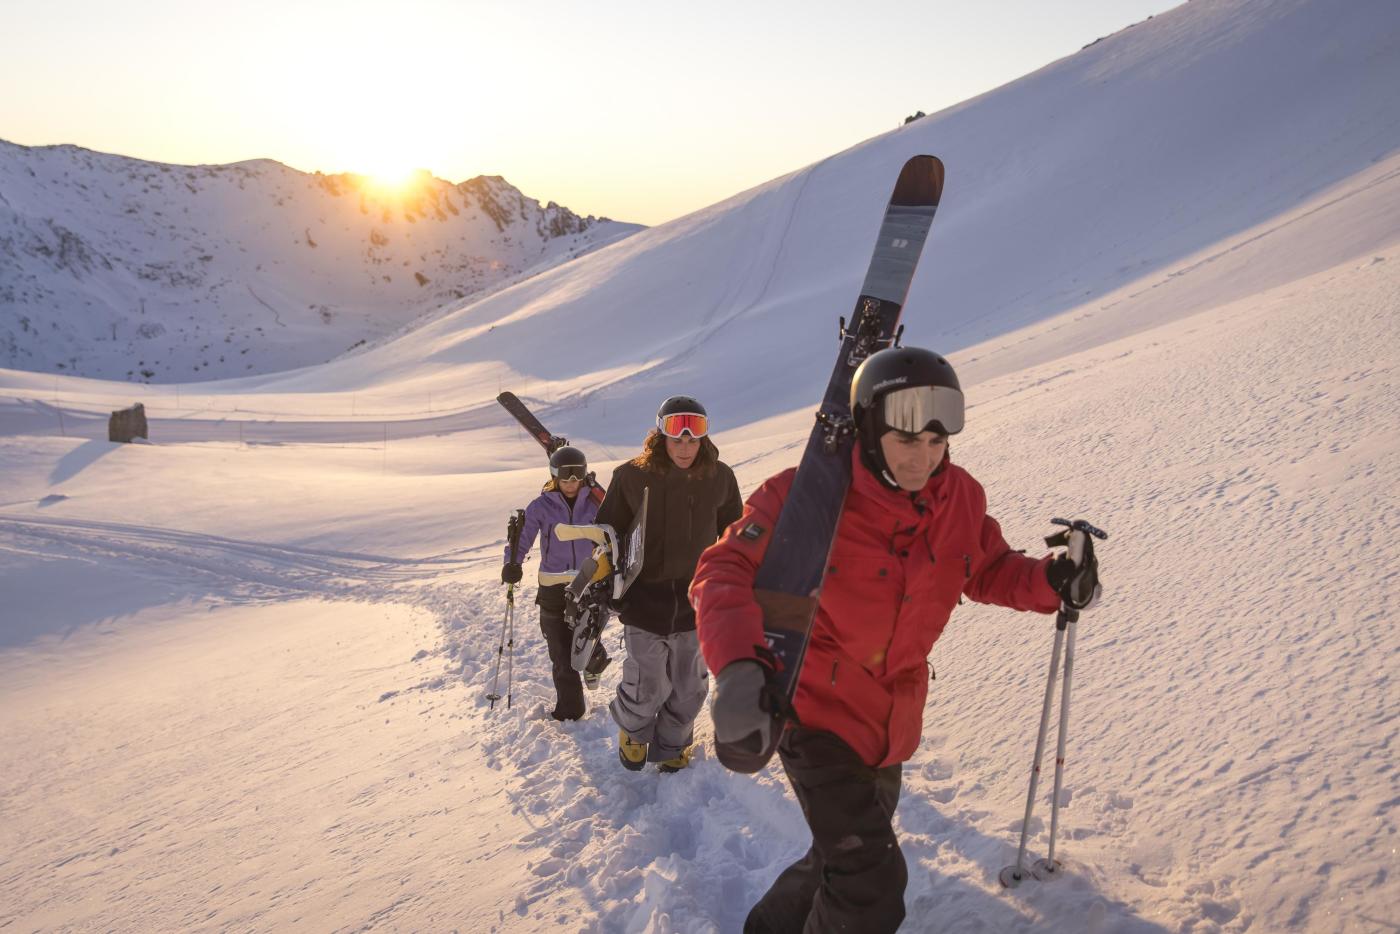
[679, 762]
[633, 755]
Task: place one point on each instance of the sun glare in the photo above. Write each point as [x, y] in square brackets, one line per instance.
[392, 177]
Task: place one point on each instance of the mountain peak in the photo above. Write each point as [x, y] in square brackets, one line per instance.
[127, 269]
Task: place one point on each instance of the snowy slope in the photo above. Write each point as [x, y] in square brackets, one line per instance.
[124, 269]
[243, 667]
[1096, 172]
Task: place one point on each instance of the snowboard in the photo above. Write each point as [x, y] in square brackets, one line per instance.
[788, 584]
[604, 577]
[549, 442]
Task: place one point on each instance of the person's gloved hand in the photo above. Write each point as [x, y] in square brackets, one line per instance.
[740, 711]
[511, 573]
[1076, 581]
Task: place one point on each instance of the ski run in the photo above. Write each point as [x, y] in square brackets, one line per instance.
[244, 667]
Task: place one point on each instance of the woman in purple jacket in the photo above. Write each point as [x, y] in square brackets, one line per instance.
[563, 500]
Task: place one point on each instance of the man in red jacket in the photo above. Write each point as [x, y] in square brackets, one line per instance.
[913, 538]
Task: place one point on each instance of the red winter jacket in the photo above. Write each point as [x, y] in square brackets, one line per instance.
[897, 569]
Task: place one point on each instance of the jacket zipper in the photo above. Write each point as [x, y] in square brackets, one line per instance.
[689, 537]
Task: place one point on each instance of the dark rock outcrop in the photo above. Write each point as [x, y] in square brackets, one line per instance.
[127, 424]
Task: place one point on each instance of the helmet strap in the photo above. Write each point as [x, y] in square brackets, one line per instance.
[870, 455]
[874, 461]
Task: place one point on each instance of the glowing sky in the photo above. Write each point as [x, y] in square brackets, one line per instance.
[639, 111]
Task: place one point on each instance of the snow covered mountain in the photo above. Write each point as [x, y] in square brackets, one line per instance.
[122, 269]
[243, 667]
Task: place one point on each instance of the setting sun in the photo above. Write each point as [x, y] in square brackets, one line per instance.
[390, 176]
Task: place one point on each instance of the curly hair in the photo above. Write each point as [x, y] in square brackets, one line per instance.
[654, 458]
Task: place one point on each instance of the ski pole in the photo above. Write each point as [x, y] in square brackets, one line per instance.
[510, 645]
[1049, 867]
[494, 694]
[1012, 876]
[513, 528]
[1077, 540]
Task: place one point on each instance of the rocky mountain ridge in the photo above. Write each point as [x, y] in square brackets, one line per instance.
[118, 268]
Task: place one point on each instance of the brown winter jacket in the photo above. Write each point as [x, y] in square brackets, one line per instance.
[686, 512]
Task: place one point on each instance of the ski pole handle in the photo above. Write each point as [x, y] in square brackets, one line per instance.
[1077, 540]
[513, 529]
[1079, 525]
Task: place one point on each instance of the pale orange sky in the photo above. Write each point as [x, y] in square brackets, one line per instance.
[641, 112]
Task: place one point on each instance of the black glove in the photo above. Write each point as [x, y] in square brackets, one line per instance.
[511, 573]
[1077, 583]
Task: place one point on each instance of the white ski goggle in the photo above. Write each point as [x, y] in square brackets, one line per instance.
[924, 408]
[570, 472]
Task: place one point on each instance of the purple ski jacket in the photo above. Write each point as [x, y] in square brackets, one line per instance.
[541, 516]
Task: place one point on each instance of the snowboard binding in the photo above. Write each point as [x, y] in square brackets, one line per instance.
[602, 581]
[586, 596]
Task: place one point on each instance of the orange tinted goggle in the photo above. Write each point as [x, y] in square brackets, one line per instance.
[673, 426]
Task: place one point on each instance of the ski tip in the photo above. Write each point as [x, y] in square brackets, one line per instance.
[920, 182]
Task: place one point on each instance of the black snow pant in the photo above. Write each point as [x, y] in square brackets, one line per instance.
[568, 686]
[853, 877]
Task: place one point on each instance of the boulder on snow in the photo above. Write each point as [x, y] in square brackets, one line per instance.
[125, 425]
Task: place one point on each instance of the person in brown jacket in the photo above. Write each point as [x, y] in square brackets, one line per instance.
[693, 497]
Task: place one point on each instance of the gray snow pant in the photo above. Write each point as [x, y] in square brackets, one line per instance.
[663, 686]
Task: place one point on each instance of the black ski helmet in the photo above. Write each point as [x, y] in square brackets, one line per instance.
[683, 405]
[676, 404]
[568, 463]
[935, 404]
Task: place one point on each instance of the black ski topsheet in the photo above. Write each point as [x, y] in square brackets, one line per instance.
[551, 443]
[633, 547]
[789, 580]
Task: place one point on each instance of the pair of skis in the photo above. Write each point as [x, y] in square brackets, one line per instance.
[788, 585]
[609, 571]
